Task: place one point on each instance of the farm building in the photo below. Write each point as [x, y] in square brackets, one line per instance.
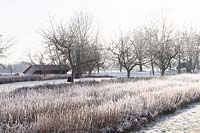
[47, 69]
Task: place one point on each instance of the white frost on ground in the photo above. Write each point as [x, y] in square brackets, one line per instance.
[186, 120]
[104, 104]
[12, 86]
[136, 74]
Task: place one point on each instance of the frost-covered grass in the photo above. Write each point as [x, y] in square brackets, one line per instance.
[22, 78]
[89, 108]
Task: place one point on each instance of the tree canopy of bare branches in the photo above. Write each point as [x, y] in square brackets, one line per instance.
[75, 43]
[5, 44]
[164, 38]
[123, 53]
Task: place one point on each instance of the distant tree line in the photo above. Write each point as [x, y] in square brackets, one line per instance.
[157, 45]
[79, 45]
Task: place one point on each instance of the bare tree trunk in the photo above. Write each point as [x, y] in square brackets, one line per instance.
[179, 71]
[120, 68]
[89, 73]
[152, 68]
[179, 63]
[140, 67]
[170, 68]
[44, 71]
[98, 69]
[197, 61]
[128, 73]
[11, 71]
[73, 75]
[162, 72]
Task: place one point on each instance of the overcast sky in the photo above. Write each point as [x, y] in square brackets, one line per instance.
[23, 19]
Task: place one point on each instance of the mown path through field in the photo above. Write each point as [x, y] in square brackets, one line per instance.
[12, 86]
[182, 121]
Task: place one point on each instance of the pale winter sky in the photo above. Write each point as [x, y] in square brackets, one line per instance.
[23, 19]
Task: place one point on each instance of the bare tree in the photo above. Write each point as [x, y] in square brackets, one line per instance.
[73, 42]
[138, 40]
[165, 42]
[191, 43]
[37, 59]
[123, 53]
[181, 48]
[5, 44]
[10, 68]
[55, 56]
[150, 47]
[98, 53]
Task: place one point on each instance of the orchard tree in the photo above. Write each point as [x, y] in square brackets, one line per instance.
[97, 52]
[5, 44]
[138, 40]
[38, 58]
[150, 47]
[191, 48]
[165, 45]
[123, 53]
[73, 41]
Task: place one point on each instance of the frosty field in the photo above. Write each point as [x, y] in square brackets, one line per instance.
[8, 87]
[106, 106]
